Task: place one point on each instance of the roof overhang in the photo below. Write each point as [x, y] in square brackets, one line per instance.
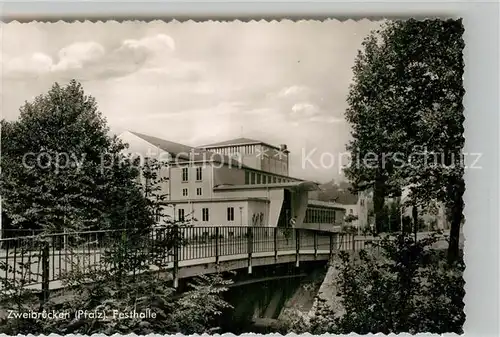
[297, 185]
[307, 186]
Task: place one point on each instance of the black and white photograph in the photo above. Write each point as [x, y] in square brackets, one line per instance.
[233, 177]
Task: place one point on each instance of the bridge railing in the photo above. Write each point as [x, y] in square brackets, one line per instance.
[43, 258]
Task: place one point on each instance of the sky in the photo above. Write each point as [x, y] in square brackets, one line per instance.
[199, 83]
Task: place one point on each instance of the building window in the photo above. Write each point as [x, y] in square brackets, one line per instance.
[258, 178]
[198, 191]
[181, 214]
[350, 211]
[184, 174]
[184, 192]
[247, 178]
[274, 180]
[252, 181]
[264, 179]
[204, 214]
[230, 214]
[198, 174]
[362, 202]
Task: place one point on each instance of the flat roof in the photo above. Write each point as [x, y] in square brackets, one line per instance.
[217, 199]
[306, 185]
[326, 204]
[238, 142]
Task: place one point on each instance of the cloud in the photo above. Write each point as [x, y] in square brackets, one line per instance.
[75, 55]
[307, 112]
[36, 63]
[304, 110]
[156, 43]
[150, 51]
[327, 119]
[293, 90]
[89, 60]
[171, 80]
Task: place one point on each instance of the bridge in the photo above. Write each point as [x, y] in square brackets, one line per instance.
[40, 262]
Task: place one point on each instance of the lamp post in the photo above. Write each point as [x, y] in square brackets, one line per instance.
[401, 210]
[414, 218]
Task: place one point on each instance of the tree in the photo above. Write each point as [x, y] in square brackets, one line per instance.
[62, 170]
[410, 288]
[130, 276]
[371, 118]
[406, 106]
[398, 285]
[431, 53]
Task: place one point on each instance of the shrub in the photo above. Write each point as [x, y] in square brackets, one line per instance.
[122, 282]
[407, 287]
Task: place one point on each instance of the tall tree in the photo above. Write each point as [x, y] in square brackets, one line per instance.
[407, 102]
[62, 170]
[370, 114]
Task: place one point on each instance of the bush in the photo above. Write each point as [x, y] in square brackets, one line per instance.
[408, 287]
[349, 229]
[121, 282]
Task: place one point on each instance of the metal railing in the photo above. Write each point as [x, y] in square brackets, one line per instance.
[43, 258]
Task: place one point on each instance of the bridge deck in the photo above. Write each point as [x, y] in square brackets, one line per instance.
[25, 266]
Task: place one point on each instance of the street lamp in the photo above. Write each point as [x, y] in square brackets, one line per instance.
[401, 209]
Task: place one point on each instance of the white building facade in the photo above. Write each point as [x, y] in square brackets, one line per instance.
[241, 182]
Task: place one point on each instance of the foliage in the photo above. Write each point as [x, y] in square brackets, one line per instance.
[407, 288]
[335, 192]
[350, 218]
[293, 320]
[15, 296]
[435, 65]
[373, 131]
[129, 277]
[406, 104]
[349, 229]
[201, 305]
[61, 169]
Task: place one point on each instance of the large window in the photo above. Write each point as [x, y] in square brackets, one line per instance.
[258, 178]
[320, 215]
[184, 192]
[204, 214]
[252, 179]
[181, 214]
[247, 178]
[198, 174]
[198, 191]
[185, 174]
[230, 214]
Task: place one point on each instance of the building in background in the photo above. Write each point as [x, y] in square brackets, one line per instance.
[433, 215]
[240, 182]
[357, 215]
